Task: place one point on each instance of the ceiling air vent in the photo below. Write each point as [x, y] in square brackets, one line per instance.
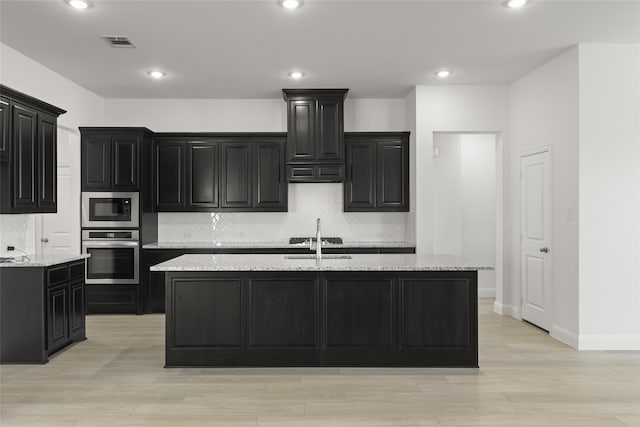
[119, 41]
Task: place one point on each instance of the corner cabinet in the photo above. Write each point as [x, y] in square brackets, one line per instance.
[315, 137]
[41, 310]
[111, 158]
[220, 172]
[377, 165]
[28, 163]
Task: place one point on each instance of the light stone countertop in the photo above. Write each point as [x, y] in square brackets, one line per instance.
[252, 262]
[272, 245]
[43, 261]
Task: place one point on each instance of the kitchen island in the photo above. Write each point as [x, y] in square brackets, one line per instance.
[347, 310]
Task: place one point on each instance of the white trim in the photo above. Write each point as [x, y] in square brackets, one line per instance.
[506, 310]
[563, 335]
[609, 342]
[537, 150]
[486, 292]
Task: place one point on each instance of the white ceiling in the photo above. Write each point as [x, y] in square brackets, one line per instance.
[244, 49]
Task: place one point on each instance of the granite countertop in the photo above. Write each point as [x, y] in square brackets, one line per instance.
[386, 262]
[272, 245]
[43, 261]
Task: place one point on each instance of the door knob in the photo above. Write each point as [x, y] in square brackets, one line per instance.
[544, 250]
[44, 240]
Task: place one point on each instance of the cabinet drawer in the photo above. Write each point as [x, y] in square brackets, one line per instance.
[315, 173]
[76, 271]
[57, 275]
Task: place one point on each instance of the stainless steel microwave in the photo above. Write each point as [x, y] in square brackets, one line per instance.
[110, 209]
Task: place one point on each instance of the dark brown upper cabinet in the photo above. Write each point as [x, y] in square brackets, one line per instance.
[377, 172]
[220, 172]
[111, 158]
[28, 161]
[315, 137]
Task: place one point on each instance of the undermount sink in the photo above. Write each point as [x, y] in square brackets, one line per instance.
[310, 256]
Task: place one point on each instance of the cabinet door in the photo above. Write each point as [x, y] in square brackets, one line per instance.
[359, 187]
[235, 183]
[25, 159]
[47, 163]
[392, 188]
[270, 185]
[169, 172]
[330, 130]
[57, 317]
[76, 310]
[301, 130]
[202, 175]
[96, 162]
[125, 162]
[5, 154]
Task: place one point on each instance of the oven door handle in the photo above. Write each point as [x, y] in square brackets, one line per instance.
[90, 244]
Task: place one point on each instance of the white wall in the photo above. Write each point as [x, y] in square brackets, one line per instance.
[243, 115]
[609, 173]
[544, 112]
[470, 109]
[84, 108]
[465, 201]
[411, 126]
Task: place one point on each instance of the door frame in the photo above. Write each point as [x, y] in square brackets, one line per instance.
[520, 288]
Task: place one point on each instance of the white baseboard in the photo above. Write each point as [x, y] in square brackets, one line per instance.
[564, 335]
[486, 292]
[609, 342]
[506, 309]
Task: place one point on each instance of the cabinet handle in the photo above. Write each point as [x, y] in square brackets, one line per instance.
[44, 240]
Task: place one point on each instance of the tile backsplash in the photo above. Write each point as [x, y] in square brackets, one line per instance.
[18, 231]
[306, 203]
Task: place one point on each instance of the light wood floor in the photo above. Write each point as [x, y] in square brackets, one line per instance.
[525, 378]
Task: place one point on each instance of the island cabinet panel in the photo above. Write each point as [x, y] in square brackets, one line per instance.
[317, 318]
[435, 313]
[359, 313]
[207, 313]
[283, 312]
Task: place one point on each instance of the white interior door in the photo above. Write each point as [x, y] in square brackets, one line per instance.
[59, 232]
[535, 238]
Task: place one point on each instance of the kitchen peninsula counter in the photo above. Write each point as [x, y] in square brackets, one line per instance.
[369, 310]
[410, 247]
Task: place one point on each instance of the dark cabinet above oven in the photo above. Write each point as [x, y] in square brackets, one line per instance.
[111, 158]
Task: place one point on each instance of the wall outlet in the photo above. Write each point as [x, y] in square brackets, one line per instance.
[11, 248]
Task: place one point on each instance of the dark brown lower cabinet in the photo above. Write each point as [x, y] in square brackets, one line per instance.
[309, 318]
[41, 311]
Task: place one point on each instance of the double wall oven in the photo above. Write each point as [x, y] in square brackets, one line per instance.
[110, 234]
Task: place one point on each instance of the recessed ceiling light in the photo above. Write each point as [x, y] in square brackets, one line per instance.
[443, 74]
[291, 4]
[79, 4]
[156, 74]
[296, 75]
[515, 4]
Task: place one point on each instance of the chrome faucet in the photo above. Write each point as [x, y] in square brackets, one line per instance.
[318, 242]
